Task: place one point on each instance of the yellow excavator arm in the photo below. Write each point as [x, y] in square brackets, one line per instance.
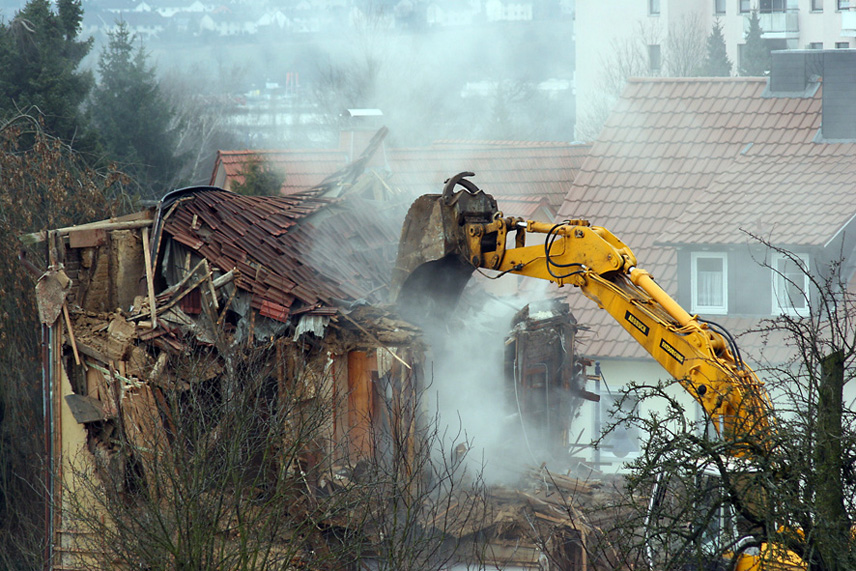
[464, 230]
[446, 237]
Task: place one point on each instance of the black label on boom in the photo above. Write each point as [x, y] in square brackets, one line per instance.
[674, 353]
[637, 323]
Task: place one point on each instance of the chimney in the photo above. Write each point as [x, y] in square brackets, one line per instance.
[798, 73]
[795, 73]
[839, 93]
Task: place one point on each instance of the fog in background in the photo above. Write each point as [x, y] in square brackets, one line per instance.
[510, 80]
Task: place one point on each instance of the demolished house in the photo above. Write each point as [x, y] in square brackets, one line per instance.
[168, 314]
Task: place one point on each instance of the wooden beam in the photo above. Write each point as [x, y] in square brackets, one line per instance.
[150, 284]
[376, 340]
[70, 333]
[85, 409]
[37, 237]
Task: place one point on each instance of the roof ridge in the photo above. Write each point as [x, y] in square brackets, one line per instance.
[507, 143]
[237, 152]
[696, 79]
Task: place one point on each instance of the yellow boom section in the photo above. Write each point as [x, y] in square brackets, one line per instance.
[603, 267]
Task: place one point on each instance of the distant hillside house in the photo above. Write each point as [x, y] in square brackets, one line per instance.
[196, 7]
[504, 11]
[450, 13]
[226, 25]
[145, 25]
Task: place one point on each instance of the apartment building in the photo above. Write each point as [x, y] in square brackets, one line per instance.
[605, 31]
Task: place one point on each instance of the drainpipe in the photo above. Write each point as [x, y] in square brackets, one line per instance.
[597, 420]
[47, 416]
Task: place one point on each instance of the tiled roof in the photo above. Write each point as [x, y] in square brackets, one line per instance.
[529, 169]
[799, 199]
[303, 168]
[504, 168]
[290, 260]
[528, 207]
[694, 160]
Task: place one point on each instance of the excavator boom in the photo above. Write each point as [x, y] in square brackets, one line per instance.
[447, 236]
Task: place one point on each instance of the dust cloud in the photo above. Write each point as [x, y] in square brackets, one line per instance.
[466, 384]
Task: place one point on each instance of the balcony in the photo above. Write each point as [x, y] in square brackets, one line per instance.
[784, 24]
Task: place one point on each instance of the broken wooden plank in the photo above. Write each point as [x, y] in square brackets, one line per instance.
[163, 308]
[226, 278]
[174, 288]
[211, 289]
[90, 238]
[150, 284]
[85, 409]
[92, 352]
[181, 295]
[37, 237]
[70, 333]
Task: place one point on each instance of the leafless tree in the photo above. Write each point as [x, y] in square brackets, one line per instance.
[425, 497]
[682, 53]
[820, 428]
[235, 470]
[200, 118]
[46, 184]
[686, 47]
[209, 472]
[694, 498]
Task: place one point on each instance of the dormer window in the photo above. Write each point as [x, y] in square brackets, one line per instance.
[709, 283]
[790, 284]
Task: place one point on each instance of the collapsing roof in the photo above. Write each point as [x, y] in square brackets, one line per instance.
[292, 258]
[157, 306]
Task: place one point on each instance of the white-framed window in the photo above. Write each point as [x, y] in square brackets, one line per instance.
[709, 282]
[719, 6]
[842, 45]
[654, 7]
[790, 284]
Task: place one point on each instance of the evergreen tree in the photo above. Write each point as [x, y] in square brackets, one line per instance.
[39, 58]
[131, 115]
[717, 63]
[756, 53]
[260, 179]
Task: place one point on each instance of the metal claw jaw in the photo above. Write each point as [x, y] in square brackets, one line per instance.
[433, 263]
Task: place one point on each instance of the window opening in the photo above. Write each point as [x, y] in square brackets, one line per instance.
[709, 283]
[790, 284]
